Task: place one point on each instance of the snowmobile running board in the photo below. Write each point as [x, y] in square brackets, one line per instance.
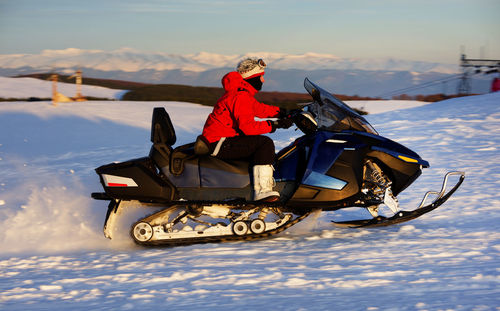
[403, 216]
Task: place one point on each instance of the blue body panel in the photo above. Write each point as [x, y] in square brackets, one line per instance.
[321, 150]
[393, 148]
[315, 179]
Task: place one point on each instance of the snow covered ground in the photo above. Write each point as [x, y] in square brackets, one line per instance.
[53, 254]
[17, 88]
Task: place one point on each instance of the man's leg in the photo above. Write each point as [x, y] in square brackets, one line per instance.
[259, 150]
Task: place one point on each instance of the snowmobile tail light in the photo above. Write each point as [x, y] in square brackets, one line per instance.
[118, 181]
[406, 159]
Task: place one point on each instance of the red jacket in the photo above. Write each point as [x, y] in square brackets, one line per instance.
[235, 112]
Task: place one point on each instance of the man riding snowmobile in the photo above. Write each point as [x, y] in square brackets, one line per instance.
[231, 131]
[340, 162]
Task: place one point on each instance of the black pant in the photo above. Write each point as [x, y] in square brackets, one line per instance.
[257, 149]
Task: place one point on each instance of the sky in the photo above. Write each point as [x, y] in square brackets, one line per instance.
[424, 30]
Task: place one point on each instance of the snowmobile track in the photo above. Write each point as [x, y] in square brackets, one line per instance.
[219, 239]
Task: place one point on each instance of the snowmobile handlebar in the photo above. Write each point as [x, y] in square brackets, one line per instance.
[304, 120]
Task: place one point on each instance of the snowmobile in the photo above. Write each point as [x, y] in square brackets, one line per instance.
[340, 162]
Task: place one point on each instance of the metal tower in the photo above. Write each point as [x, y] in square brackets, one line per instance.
[467, 64]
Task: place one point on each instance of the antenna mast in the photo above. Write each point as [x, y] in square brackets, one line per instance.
[491, 66]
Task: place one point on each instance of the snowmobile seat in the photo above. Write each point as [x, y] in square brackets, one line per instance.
[185, 153]
[162, 130]
[217, 173]
[200, 146]
[179, 157]
[191, 165]
[187, 169]
[162, 137]
[206, 170]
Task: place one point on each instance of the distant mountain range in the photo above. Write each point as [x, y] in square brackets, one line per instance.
[285, 73]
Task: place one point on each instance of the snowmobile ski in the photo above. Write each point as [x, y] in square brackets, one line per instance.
[403, 216]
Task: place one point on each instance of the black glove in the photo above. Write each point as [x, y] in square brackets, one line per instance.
[288, 113]
[281, 124]
[283, 113]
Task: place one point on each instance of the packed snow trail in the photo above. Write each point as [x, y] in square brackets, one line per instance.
[53, 251]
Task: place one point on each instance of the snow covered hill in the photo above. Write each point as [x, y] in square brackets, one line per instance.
[127, 59]
[24, 88]
[350, 76]
[54, 257]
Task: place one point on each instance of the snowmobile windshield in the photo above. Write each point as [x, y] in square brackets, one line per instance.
[332, 114]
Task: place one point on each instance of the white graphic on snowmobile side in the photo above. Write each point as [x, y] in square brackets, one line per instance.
[339, 162]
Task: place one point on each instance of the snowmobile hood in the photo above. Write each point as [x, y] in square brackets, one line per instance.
[233, 81]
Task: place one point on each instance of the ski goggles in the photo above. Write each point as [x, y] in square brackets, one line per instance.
[261, 63]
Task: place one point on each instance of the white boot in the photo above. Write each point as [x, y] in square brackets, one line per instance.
[263, 183]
